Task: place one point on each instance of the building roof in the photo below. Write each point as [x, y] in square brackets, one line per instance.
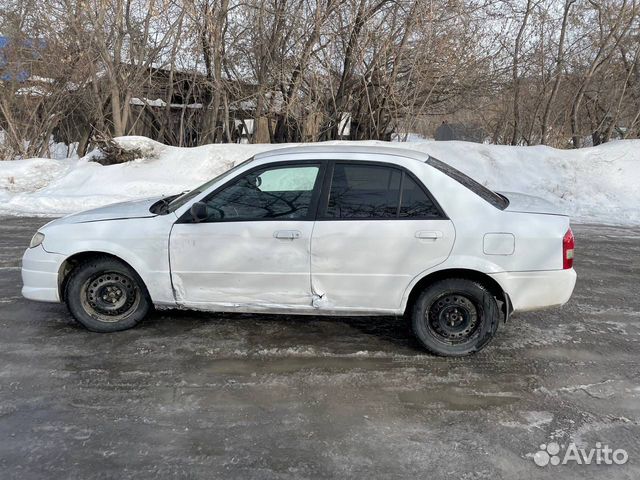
[20, 69]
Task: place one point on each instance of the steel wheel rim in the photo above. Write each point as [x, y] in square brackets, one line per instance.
[453, 319]
[110, 296]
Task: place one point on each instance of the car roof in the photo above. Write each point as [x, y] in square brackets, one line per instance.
[345, 148]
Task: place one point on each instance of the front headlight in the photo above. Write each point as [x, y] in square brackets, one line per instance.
[37, 239]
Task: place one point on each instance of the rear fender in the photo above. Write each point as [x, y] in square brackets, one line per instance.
[457, 265]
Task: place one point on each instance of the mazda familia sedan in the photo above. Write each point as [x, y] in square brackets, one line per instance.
[320, 230]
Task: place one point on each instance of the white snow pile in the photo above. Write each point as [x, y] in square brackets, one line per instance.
[598, 184]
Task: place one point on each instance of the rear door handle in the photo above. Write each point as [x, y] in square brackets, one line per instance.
[287, 234]
[428, 234]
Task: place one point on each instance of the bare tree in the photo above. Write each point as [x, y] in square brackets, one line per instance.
[558, 71]
[189, 72]
[611, 20]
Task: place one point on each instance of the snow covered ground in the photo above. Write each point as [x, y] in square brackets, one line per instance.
[599, 184]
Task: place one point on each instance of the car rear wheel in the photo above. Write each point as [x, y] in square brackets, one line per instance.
[106, 295]
[455, 317]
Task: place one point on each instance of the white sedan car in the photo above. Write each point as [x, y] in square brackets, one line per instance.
[320, 230]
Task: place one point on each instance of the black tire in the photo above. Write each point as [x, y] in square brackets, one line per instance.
[455, 317]
[105, 295]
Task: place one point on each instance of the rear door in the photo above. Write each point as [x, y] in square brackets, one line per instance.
[377, 229]
[253, 250]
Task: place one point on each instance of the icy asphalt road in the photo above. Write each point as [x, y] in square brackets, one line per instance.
[245, 396]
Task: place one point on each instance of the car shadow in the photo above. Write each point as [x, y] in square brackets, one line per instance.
[381, 332]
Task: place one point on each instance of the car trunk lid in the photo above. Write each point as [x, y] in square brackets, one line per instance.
[519, 202]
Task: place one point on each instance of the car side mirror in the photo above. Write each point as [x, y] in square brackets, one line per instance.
[199, 212]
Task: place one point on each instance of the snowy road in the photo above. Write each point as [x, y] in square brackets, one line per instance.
[245, 396]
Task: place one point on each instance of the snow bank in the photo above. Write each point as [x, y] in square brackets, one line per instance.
[598, 184]
[55, 187]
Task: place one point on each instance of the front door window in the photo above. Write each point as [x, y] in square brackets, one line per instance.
[283, 193]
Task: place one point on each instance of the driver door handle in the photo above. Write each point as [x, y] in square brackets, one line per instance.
[287, 234]
[428, 234]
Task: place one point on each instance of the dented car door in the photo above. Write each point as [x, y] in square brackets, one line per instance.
[377, 229]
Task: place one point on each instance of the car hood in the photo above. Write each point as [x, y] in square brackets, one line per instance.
[519, 202]
[122, 210]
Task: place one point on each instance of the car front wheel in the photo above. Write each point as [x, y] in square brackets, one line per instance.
[455, 317]
[106, 295]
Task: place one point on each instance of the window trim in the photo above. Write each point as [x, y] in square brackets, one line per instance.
[186, 217]
[328, 179]
[475, 187]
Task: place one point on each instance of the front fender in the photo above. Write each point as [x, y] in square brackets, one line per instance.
[142, 243]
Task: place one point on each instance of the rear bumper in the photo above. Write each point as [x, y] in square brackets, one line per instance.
[40, 274]
[537, 290]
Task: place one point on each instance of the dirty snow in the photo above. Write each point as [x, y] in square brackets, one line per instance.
[597, 184]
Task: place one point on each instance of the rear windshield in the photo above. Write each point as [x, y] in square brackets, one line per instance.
[483, 192]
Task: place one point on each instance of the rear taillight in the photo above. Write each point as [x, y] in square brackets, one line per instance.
[568, 244]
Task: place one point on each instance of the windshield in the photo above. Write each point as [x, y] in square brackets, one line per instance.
[483, 192]
[185, 197]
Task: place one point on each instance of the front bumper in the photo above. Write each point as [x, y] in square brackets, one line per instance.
[537, 290]
[40, 274]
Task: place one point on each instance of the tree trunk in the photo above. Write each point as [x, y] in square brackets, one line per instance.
[118, 129]
[516, 75]
[557, 73]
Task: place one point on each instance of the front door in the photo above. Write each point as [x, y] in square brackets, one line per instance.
[377, 229]
[252, 252]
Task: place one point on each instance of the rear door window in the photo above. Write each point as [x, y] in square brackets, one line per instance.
[361, 192]
[415, 203]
